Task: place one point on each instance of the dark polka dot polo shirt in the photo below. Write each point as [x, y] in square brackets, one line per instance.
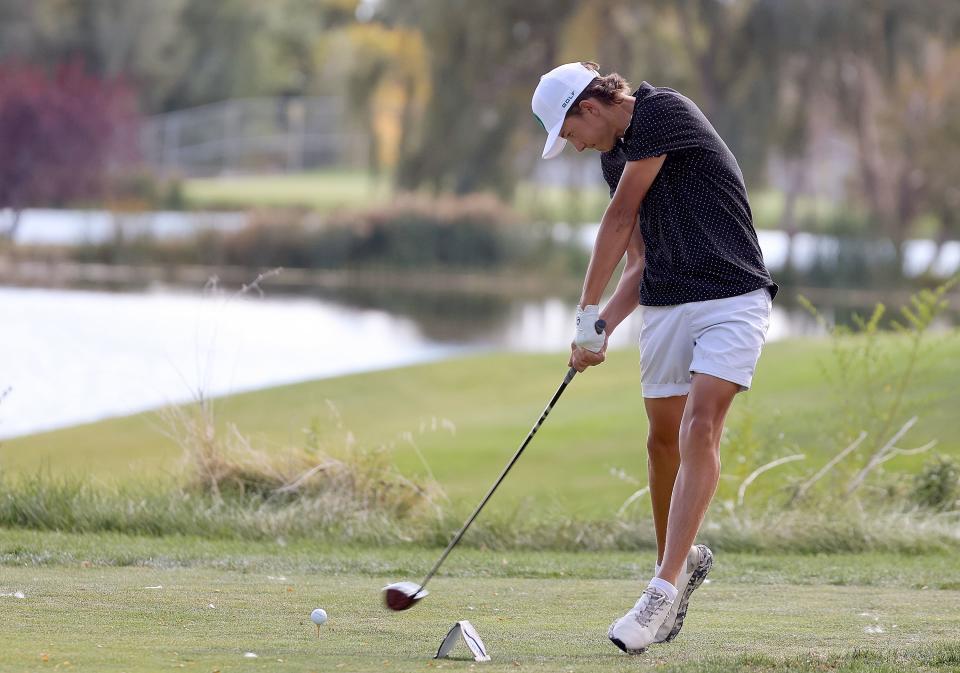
[695, 219]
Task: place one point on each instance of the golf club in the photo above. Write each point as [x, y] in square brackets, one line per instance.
[403, 595]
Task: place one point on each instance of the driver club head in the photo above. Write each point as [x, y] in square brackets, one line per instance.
[403, 595]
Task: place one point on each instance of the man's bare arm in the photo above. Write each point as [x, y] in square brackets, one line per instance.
[617, 225]
[626, 297]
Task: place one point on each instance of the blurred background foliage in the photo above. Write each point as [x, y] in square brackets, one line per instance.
[841, 114]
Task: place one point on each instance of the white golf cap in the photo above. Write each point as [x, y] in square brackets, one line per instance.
[552, 98]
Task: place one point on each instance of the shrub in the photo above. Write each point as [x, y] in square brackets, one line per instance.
[768, 474]
[937, 486]
[412, 232]
[62, 133]
[140, 189]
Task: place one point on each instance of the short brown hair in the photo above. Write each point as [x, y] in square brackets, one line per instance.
[608, 89]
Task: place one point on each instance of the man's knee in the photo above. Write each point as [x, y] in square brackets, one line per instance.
[701, 430]
[663, 446]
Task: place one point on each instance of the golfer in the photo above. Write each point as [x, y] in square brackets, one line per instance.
[679, 211]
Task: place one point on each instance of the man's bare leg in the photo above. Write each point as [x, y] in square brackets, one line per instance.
[663, 458]
[696, 482]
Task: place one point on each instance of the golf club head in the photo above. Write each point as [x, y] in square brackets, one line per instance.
[403, 595]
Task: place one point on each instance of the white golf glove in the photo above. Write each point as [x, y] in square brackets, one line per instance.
[586, 336]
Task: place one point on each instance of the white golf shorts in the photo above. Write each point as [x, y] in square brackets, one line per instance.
[719, 337]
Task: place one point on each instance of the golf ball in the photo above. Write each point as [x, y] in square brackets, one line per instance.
[318, 616]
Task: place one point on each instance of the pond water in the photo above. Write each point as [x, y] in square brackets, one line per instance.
[77, 356]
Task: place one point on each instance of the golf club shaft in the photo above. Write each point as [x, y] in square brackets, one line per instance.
[453, 543]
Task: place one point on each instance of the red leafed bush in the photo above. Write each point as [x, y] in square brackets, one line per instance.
[61, 134]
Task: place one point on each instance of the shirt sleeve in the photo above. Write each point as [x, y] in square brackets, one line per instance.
[663, 123]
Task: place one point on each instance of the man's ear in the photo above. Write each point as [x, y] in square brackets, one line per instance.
[588, 107]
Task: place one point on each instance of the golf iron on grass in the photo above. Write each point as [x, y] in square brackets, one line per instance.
[404, 595]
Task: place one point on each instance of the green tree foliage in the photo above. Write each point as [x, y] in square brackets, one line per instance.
[485, 59]
[442, 87]
[179, 53]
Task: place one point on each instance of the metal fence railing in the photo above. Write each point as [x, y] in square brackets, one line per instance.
[283, 134]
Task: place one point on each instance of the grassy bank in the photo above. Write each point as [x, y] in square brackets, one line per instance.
[464, 418]
[367, 470]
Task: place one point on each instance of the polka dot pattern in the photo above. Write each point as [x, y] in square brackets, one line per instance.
[695, 220]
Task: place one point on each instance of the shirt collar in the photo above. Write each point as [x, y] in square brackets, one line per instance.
[644, 90]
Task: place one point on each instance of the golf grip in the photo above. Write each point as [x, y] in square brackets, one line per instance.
[599, 326]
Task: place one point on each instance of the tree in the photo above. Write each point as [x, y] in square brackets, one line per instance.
[61, 134]
[935, 100]
[386, 86]
[139, 40]
[485, 60]
[878, 56]
[177, 53]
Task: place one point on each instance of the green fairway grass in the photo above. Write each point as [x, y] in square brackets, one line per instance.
[111, 603]
[323, 190]
[40, 549]
[596, 432]
[328, 190]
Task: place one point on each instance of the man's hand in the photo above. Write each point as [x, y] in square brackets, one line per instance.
[589, 332]
[581, 358]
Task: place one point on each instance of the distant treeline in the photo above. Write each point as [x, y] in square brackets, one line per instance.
[849, 100]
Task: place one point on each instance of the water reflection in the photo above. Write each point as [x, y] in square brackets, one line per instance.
[76, 356]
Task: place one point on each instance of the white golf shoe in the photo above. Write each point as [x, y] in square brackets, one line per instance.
[699, 563]
[637, 630]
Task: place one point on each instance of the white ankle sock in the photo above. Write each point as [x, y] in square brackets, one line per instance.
[656, 569]
[665, 587]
